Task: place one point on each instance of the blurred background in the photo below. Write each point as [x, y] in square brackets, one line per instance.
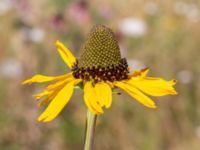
[162, 35]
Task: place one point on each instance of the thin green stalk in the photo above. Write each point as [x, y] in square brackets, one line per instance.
[90, 129]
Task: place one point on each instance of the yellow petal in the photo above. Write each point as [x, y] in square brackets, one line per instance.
[135, 93]
[52, 87]
[43, 93]
[153, 86]
[141, 73]
[54, 90]
[65, 53]
[50, 97]
[41, 78]
[60, 83]
[90, 98]
[104, 94]
[110, 84]
[38, 78]
[58, 103]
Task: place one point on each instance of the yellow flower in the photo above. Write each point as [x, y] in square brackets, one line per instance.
[99, 70]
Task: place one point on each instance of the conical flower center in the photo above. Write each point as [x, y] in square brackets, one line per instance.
[100, 58]
[100, 48]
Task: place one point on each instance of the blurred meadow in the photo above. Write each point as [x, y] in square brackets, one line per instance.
[161, 35]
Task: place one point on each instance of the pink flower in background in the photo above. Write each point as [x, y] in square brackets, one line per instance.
[78, 12]
[106, 12]
[23, 7]
[58, 22]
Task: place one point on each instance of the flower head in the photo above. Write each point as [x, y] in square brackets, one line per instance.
[100, 69]
[101, 59]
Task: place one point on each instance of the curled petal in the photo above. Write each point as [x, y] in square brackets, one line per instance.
[65, 53]
[52, 90]
[53, 87]
[58, 103]
[59, 84]
[135, 93]
[104, 94]
[49, 98]
[90, 98]
[42, 94]
[140, 73]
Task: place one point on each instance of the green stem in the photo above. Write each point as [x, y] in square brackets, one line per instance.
[90, 129]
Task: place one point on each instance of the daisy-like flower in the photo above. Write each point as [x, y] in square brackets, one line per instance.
[99, 70]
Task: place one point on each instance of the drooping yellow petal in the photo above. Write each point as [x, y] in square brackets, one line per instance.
[48, 92]
[60, 83]
[65, 53]
[49, 98]
[90, 98]
[41, 78]
[153, 86]
[104, 94]
[52, 90]
[141, 73]
[52, 87]
[43, 93]
[135, 93]
[58, 103]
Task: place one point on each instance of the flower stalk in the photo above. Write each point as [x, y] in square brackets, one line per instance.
[90, 130]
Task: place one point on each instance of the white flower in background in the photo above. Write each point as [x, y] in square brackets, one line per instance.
[189, 10]
[180, 7]
[151, 8]
[198, 132]
[135, 64]
[134, 27]
[5, 6]
[185, 76]
[11, 68]
[35, 35]
[193, 13]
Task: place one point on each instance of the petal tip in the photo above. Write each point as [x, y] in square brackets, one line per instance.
[146, 69]
[154, 106]
[57, 42]
[26, 82]
[44, 119]
[36, 97]
[174, 82]
[40, 119]
[175, 93]
[47, 120]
